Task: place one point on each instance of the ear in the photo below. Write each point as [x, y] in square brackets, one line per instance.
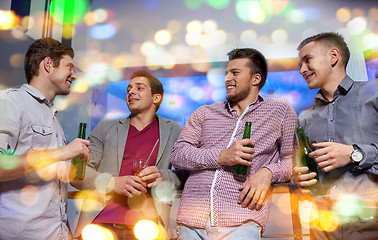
[256, 79]
[156, 98]
[47, 64]
[334, 56]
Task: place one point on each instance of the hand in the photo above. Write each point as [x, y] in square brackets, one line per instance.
[256, 190]
[77, 147]
[151, 176]
[303, 179]
[331, 155]
[237, 153]
[128, 185]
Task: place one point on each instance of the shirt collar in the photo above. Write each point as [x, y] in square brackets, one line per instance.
[343, 88]
[258, 99]
[36, 94]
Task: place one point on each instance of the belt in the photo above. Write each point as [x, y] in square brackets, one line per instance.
[118, 225]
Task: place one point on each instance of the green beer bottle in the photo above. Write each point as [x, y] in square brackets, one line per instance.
[239, 169]
[79, 165]
[304, 159]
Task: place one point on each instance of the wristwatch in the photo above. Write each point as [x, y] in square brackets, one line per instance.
[356, 155]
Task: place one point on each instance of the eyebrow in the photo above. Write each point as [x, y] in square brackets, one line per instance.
[232, 69]
[138, 84]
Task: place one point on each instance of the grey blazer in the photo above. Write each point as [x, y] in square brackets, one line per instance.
[108, 141]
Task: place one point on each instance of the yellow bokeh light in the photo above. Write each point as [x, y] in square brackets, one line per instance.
[16, 60]
[80, 85]
[257, 16]
[194, 26]
[29, 195]
[146, 230]
[279, 36]
[96, 232]
[89, 19]
[90, 201]
[327, 221]
[8, 20]
[210, 26]
[343, 14]
[248, 36]
[68, 31]
[163, 37]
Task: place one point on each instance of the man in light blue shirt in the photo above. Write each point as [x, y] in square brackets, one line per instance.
[33, 171]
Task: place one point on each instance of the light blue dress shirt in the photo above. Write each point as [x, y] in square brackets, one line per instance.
[31, 207]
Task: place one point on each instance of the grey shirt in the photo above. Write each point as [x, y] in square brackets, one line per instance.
[350, 118]
[34, 206]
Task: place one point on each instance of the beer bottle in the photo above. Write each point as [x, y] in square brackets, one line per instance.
[304, 159]
[78, 164]
[239, 169]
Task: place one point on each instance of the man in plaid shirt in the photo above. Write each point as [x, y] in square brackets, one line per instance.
[217, 203]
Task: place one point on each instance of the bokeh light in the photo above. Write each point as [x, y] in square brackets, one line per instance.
[274, 6]
[193, 38]
[8, 20]
[101, 183]
[279, 36]
[68, 11]
[96, 232]
[8, 162]
[210, 26]
[163, 192]
[68, 31]
[245, 7]
[91, 201]
[30, 195]
[163, 37]
[248, 36]
[194, 26]
[174, 26]
[218, 4]
[16, 60]
[146, 230]
[370, 41]
[343, 14]
[100, 15]
[296, 16]
[103, 31]
[327, 221]
[357, 25]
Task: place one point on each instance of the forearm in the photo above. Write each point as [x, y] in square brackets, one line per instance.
[16, 166]
[191, 158]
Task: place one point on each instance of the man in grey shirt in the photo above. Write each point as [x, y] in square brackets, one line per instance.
[342, 128]
[33, 171]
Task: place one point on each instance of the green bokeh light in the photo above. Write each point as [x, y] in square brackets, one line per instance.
[218, 4]
[244, 7]
[193, 4]
[8, 162]
[68, 11]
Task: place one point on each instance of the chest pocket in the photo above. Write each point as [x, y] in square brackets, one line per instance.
[41, 136]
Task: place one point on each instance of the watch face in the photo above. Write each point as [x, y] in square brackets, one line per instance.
[356, 156]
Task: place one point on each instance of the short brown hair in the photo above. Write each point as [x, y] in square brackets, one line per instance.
[257, 61]
[155, 84]
[39, 50]
[330, 39]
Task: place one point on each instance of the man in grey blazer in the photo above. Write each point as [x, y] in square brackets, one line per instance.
[115, 143]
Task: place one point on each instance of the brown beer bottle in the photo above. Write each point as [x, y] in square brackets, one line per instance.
[304, 159]
[79, 165]
[239, 169]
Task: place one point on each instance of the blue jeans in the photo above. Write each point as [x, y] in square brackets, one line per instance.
[249, 230]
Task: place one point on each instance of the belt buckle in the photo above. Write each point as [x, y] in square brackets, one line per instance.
[119, 226]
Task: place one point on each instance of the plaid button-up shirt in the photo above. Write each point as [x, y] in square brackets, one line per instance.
[213, 190]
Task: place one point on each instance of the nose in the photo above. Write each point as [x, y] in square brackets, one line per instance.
[73, 75]
[303, 69]
[227, 77]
